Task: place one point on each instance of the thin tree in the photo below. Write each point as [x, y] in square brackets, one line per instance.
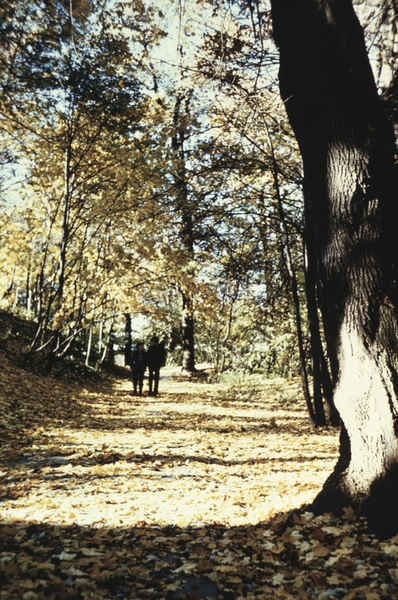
[180, 126]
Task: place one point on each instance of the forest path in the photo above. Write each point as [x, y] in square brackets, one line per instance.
[111, 495]
[199, 453]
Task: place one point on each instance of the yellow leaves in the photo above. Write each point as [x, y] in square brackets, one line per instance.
[320, 550]
[75, 572]
[298, 582]
[173, 587]
[349, 514]
[114, 495]
[186, 568]
[278, 549]
[343, 551]
[331, 530]
[28, 583]
[66, 556]
[90, 552]
[319, 579]
[299, 519]
[278, 579]
[188, 478]
[204, 566]
[391, 549]
[348, 542]
[360, 574]
[84, 583]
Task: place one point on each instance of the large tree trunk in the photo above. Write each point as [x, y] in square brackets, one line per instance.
[350, 189]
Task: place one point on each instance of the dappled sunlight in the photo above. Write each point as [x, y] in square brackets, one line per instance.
[189, 495]
[199, 453]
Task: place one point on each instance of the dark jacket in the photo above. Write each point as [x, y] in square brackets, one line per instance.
[156, 357]
[138, 360]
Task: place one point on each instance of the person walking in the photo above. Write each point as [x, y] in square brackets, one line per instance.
[138, 366]
[156, 358]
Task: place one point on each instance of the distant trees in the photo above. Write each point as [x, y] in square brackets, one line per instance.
[250, 147]
[135, 194]
[75, 117]
[184, 212]
[166, 186]
[131, 194]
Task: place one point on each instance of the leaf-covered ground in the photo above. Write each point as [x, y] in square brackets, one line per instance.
[188, 495]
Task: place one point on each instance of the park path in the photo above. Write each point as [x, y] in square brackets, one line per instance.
[188, 495]
[196, 454]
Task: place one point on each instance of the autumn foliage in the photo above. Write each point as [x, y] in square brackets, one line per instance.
[189, 495]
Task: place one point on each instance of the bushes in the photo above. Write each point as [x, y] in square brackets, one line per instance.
[277, 358]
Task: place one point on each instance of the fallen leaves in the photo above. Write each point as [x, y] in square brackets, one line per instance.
[215, 561]
[179, 459]
[183, 496]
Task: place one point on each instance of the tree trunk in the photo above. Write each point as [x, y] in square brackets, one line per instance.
[187, 330]
[180, 122]
[350, 189]
[90, 339]
[316, 413]
[28, 291]
[108, 351]
[322, 383]
[100, 339]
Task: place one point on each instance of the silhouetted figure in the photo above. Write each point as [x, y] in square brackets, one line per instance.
[138, 366]
[156, 358]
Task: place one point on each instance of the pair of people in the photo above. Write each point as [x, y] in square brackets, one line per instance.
[154, 358]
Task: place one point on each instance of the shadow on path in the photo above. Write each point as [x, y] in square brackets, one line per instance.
[293, 556]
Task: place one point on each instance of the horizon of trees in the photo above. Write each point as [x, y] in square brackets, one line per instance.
[135, 183]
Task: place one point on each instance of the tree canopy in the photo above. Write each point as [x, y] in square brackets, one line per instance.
[149, 170]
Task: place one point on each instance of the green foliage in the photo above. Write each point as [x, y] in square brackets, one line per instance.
[239, 386]
[281, 357]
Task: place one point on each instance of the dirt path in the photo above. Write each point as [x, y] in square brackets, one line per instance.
[110, 495]
[197, 454]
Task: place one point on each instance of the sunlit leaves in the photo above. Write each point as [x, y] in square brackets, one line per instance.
[87, 153]
[107, 495]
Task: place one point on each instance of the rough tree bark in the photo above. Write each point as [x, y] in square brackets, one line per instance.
[351, 214]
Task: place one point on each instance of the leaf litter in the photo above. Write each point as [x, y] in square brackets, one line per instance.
[194, 494]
